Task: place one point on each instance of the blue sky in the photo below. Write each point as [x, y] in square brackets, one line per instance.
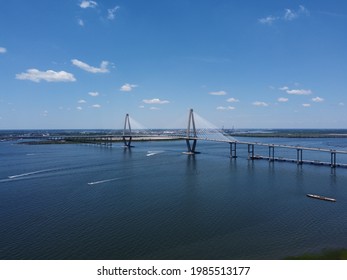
[247, 64]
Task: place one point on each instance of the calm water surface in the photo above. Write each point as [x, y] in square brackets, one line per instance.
[153, 202]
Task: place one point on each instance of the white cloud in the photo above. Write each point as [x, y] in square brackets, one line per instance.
[288, 15]
[48, 76]
[317, 99]
[221, 92]
[3, 50]
[299, 91]
[93, 93]
[232, 99]
[127, 87]
[154, 108]
[88, 4]
[260, 104]
[84, 66]
[97, 106]
[80, 22]
[306, 105]
[303, 11]
[282, 99]
[112, 12]
[155, 101]
[341, 104]
[81, 101]
[225, 108]
[268, 20]
[141, 106]
[284, 88]
[79, 108]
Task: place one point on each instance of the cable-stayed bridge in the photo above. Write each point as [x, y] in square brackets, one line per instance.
[192, 134]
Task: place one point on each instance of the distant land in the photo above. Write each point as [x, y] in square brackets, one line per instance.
[8, 135]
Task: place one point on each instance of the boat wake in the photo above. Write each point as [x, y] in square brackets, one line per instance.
[31, 173]
[152, 153]
[103, 181]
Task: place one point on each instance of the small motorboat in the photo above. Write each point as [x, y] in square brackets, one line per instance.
[316, 196]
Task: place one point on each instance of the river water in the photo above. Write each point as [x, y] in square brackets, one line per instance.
[154, 202]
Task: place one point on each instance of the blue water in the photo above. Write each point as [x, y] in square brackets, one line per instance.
[153, 202]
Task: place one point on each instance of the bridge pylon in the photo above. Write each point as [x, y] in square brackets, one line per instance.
[191, 137]
[127, 136]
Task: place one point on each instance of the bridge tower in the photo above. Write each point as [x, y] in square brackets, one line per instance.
[191, 134]
[127, 137]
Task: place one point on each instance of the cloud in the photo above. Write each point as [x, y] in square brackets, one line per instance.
[288, 15]
[127, 87]
[306, 105]
[341, 104]
[260, 104]
[221, 92]
[88, 4]
[81, 101]
[268, 20]
[317, 99]
[84, 66]
[44, 113]
[93, 93]
[232, 100]
[284, 88]
[79, 108]
[282, 99]
[225, 108]
[303, 11]
[97, 106]
[3, 50]
[48, 76]
[112, 12]
[80, 22]
[299, 91]
[155, 101]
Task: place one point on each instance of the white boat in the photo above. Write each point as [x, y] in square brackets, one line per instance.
[321, 197]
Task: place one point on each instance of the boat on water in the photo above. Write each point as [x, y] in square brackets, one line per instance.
[316, 196]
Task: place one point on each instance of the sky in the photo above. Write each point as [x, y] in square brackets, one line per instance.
[245, 64]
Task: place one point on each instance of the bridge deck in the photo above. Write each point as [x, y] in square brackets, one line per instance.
[109, 137]
[270, 145]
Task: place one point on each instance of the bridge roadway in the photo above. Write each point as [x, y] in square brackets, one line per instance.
[119, 137]
[271, 157]
[107, 139]
[267, 145]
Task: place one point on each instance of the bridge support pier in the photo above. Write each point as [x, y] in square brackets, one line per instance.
[191, 148]
[191, 135]
[299, 156]
[127, 132]
[251, 151]
[233, 150]
[333, 159]
[271, 153]
[127, 141]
